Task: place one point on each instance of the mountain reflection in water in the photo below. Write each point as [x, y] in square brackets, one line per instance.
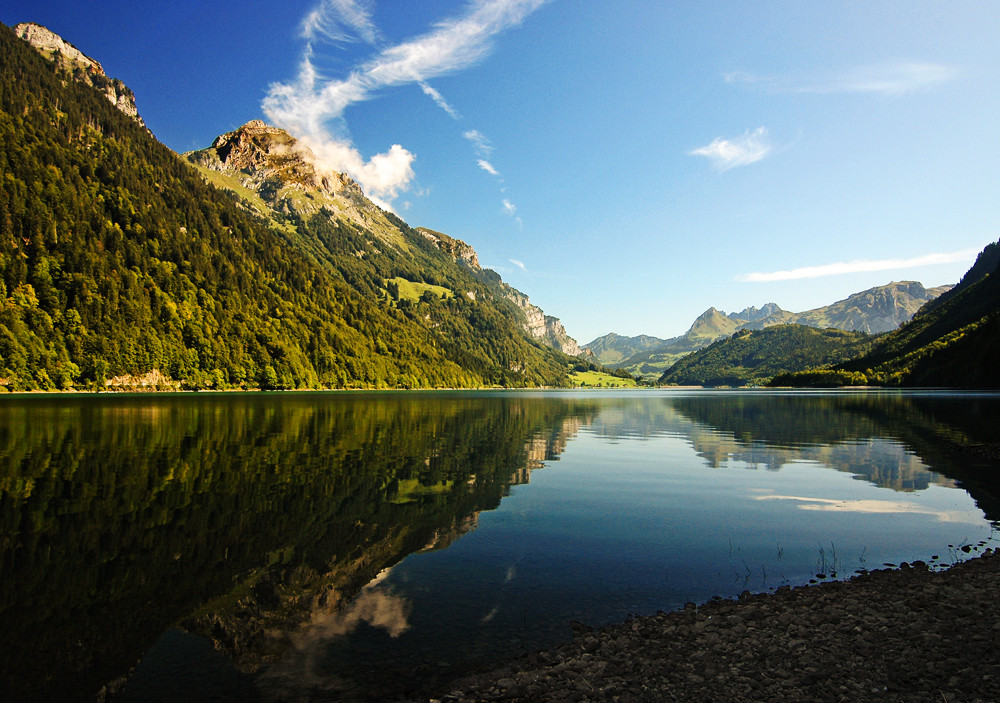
[275, 526]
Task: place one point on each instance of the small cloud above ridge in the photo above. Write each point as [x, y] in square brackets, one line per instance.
[488, 167]
[744, 150]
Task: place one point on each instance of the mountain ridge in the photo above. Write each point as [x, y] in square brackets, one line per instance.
[79, 66]
[753, 357]
[877, 309]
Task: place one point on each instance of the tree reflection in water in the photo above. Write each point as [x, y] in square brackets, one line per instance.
[271, 524]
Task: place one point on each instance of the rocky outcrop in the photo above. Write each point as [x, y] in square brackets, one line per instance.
[546, 329]
[284, 176]
[752, 313]
[268, 159]
[155, 380]
[459, 250]
[79, 66]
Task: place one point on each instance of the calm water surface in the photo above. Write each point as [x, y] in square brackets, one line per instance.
[350, 546]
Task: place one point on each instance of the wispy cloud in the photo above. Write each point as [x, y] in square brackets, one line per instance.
[519, 264]
[746, 149]
[308, 105]
[340, 20]
[479, 142]
[890, 78]
[509, 207]
[439, 99]
[488, 167]
[860, 266]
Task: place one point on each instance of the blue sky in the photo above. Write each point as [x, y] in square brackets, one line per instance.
[626, 165]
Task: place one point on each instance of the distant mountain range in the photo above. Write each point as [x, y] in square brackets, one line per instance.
[953, 340]
[872, 311]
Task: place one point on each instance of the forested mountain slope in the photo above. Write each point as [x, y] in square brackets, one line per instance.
[116, 258]
[752, 357]
[326, 214]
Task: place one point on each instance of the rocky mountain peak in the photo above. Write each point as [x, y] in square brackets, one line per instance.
[712, 324]
[49, 43]
[752, 313]
[709, 314]
[79, 66]
[262, 153]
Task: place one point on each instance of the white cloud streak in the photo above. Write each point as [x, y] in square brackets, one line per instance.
[439, 99]
[479, 142]
[509, 207]
[519, 264]
[860, 266]
[488, 167]
[306, 106]
[725, 154]
[890, 79]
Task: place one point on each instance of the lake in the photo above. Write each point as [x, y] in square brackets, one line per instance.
[325, 546]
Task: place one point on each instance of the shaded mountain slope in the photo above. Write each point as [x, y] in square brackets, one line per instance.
[612, 348]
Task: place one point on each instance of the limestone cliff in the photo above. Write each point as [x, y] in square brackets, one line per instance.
[459, 250]
[79, 66]
[545, 328]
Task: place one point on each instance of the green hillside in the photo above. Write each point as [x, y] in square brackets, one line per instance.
[953, 341]
[117, 259]
[752, 357]
[612, 348]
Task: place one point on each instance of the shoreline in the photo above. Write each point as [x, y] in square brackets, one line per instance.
[905, 634]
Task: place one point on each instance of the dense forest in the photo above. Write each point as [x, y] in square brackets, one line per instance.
[752, 357]
[118, 259]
